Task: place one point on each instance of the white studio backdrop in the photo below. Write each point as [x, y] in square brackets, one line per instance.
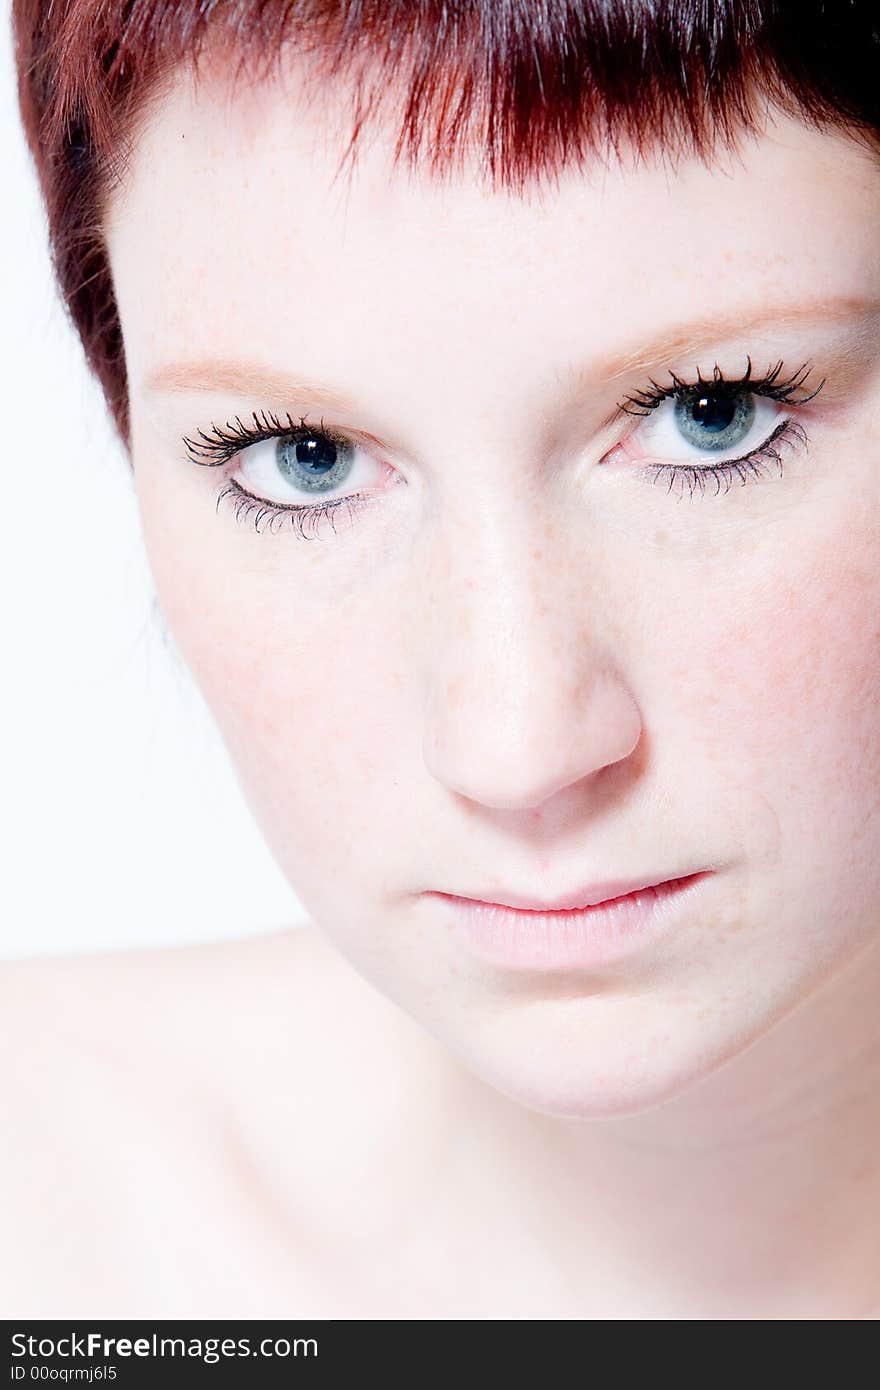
[122, 822]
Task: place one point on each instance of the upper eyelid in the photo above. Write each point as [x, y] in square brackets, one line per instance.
[225, 442]
[772, 384]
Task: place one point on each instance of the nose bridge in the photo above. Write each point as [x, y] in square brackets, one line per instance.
[521, 700]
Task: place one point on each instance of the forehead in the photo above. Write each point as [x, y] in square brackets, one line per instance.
[237, 231]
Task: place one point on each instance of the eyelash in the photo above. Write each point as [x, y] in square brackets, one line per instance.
[222, 444]
[772, 385]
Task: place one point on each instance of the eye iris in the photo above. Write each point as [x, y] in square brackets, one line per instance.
[313, 461]
[714, 419]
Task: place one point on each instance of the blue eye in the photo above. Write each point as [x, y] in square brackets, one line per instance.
[313, 461]
[714, 419]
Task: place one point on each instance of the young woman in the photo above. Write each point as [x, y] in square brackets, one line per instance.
[501, 386]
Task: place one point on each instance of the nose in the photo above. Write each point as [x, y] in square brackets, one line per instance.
[524, 698]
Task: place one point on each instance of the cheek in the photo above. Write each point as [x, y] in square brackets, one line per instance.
[307, 711]
[806, 670]
[792, 698]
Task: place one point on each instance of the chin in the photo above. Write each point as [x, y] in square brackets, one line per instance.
[576, 1071]
[587, 1094]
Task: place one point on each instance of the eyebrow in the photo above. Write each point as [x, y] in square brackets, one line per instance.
[243, 379]
[705, 333]
[251, 380]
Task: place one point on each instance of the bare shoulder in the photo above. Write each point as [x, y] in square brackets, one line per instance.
[137, 1086]
[203, 1025]
[148, 1007]
[170, 1111]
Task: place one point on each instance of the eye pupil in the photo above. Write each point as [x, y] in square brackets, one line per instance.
[318, 453]
[714, 413]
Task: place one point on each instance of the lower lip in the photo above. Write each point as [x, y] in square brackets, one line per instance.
[568, 939]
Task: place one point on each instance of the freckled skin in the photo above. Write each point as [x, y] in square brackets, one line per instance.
[525, 669]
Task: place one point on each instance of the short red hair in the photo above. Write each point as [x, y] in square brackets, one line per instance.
[531, 85]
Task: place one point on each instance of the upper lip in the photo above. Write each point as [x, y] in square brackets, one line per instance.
[589, 896]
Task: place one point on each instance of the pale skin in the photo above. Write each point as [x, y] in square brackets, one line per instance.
[522, 664]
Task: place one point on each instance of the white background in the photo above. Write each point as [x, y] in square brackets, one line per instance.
[121, 822]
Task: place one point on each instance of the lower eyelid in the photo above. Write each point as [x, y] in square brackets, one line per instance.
[758, 464]
[310, 520]
[272, 516]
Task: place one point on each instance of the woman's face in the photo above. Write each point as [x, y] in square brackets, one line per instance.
[528, 661]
